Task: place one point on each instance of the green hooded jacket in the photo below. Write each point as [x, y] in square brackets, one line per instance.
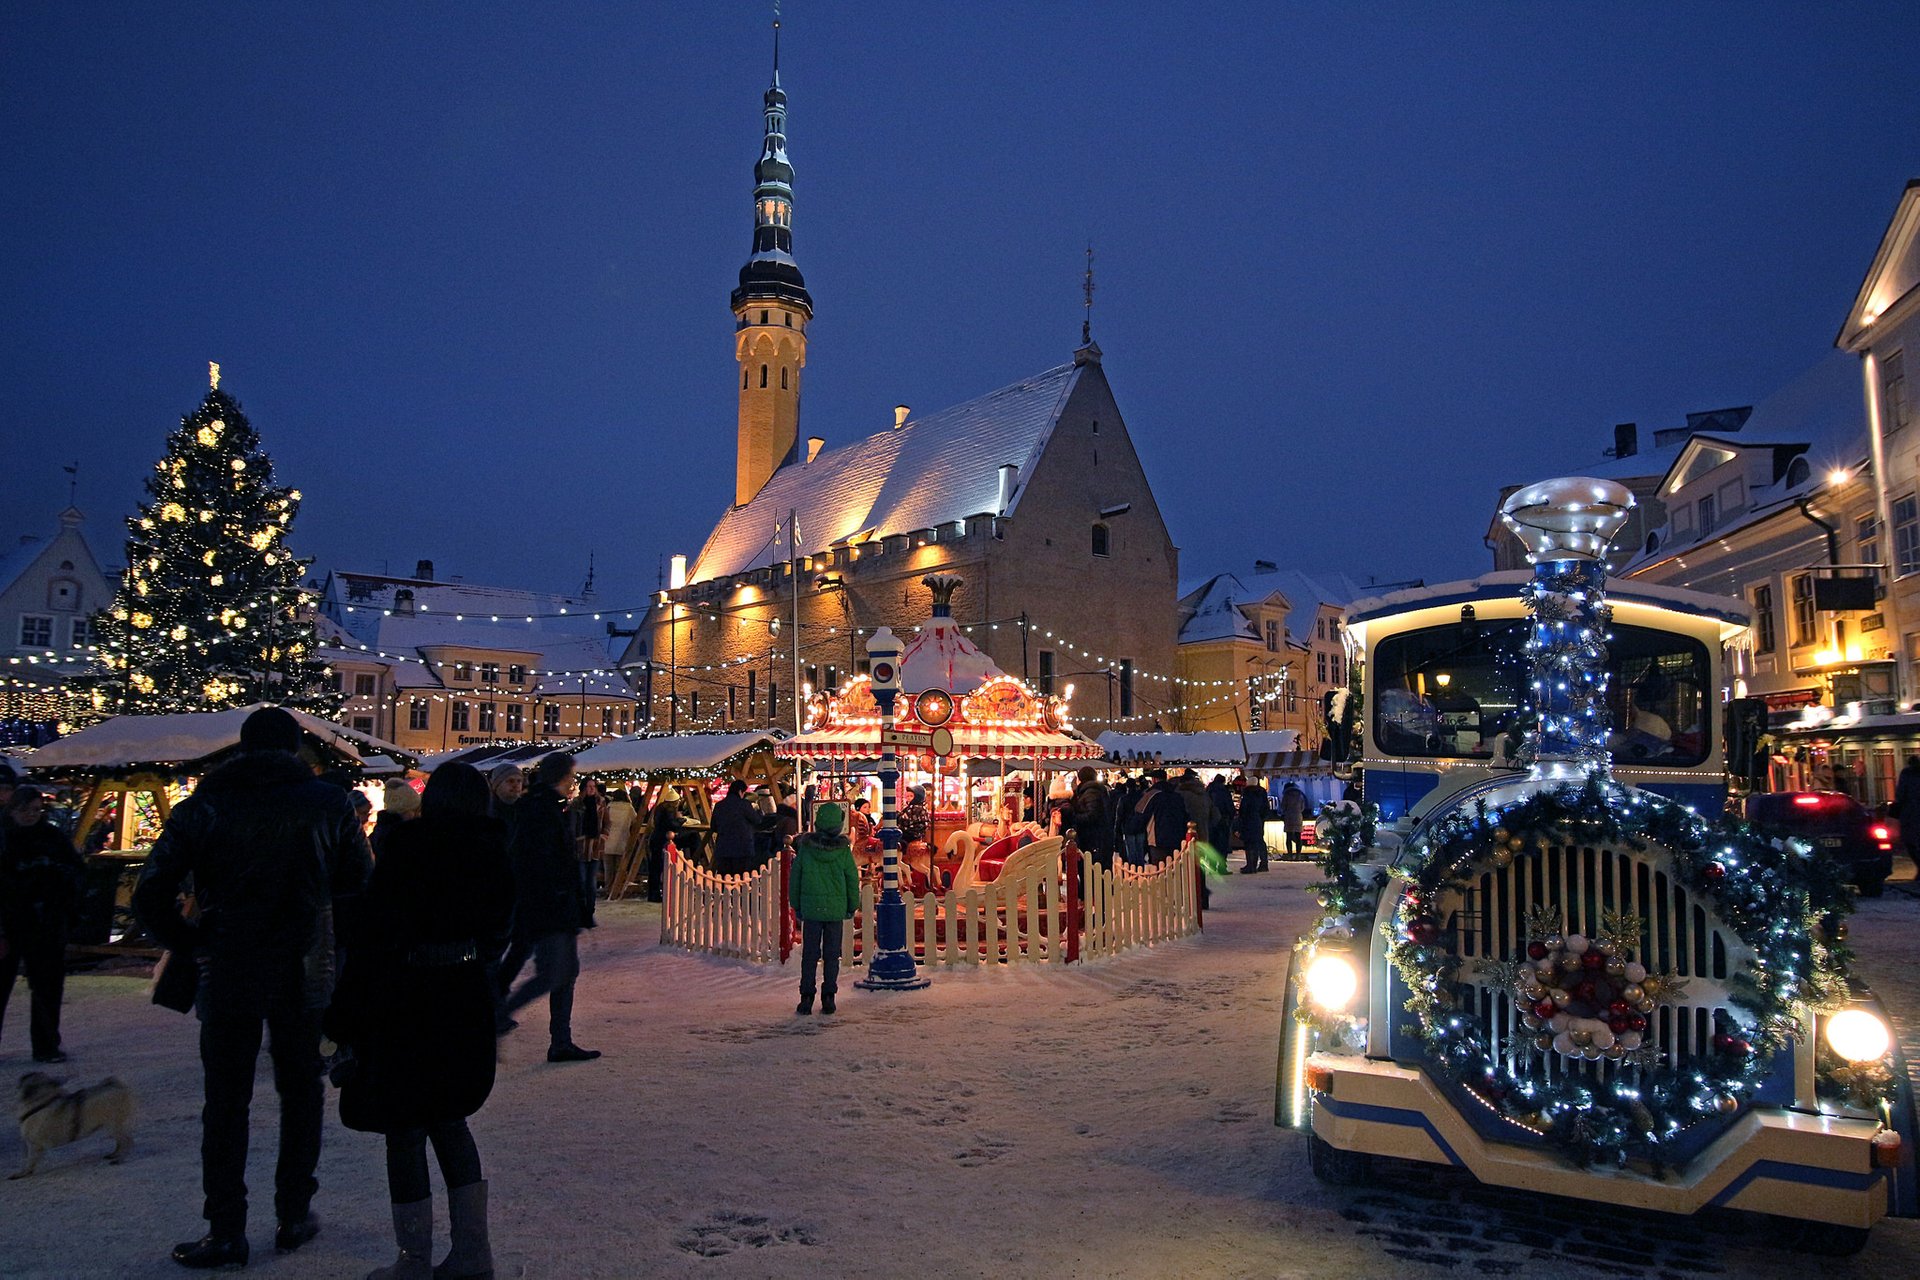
[824, 885]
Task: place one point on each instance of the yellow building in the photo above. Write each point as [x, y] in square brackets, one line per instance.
[433, 666]
[1261, 650]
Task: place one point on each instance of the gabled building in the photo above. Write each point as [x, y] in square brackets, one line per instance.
[1261, 650]
[432, 665]
[1033, 495]
[50, 588]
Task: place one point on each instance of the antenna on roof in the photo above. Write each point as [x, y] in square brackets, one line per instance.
[73, 479]
[586, 590]
[1086, 325]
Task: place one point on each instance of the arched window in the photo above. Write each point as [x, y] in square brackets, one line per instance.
[763, 375]
[783, 377]
[1100, 540]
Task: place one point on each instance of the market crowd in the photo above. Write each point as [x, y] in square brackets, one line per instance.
[392, 962]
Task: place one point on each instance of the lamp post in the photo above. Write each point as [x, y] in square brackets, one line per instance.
[891, 967]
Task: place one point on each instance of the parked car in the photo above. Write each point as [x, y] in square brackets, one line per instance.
[1837, 825]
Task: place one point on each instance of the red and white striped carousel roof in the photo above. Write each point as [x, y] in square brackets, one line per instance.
[975, 742]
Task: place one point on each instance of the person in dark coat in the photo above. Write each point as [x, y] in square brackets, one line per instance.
[400, 803]
[1220, 823]
[1293, 814]
[1251, 822]
[548, 910]
[270, 849]
[1130, 820]
[786, 824]
[1193, 793]
[1168, 814]
[416, 1008]
[668, 822]
[42, 878]
[1092, 823]
[1906, 806]
[734, 826]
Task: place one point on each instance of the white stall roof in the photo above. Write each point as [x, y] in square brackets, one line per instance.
[667, 752]
[1215, 747]
[188, 736]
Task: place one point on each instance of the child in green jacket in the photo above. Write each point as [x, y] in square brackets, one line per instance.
[825, 892]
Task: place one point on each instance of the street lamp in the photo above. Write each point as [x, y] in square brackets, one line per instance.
[891, 967]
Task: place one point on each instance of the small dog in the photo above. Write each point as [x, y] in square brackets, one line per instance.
[52, 1117]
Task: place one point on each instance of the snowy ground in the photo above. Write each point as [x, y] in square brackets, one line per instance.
[1110, 1120]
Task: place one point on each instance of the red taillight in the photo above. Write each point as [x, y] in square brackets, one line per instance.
[1882, 835]
[1808, 802]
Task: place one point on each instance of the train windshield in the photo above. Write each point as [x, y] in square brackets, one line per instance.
[1455, 690]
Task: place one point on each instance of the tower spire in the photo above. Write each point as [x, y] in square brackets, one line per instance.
[1086, 324]
[771, 308]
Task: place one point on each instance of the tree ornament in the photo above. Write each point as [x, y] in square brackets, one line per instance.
[1715, 871]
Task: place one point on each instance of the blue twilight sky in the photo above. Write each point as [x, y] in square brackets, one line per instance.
[467, 265]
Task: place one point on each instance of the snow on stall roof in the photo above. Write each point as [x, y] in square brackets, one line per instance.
[674, 751]
[934, 470]
[188, 737]
[1207, 747]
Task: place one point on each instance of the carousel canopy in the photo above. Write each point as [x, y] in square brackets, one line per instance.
[187, 738]
[983, 742]
[1212, 747]
[672, 753]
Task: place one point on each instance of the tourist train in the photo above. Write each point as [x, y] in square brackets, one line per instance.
[1546, 958]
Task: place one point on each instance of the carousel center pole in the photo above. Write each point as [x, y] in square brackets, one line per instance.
[891, 967]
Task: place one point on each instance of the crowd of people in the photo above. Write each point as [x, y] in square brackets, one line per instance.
[400, 957]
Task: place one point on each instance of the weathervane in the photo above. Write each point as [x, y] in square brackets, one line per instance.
[213, 373]
[1086, 325]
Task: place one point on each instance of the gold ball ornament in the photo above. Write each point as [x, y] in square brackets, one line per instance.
[1616, 968]
[1503, 857]
[1633, 993]
[1726, 1104]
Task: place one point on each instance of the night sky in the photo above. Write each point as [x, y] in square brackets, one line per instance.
[467, 266]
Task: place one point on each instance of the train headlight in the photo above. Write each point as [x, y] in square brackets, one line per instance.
[1331, 981]
[1854, 1034]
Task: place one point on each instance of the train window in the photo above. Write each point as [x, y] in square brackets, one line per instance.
[1455, 690]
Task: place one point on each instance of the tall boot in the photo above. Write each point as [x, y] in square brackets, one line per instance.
[413, 1228]
[472, 1256]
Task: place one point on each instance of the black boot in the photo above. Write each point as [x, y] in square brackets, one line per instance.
[289, 1236]
[805, 1006]
[826, 1002]
[211, 1252]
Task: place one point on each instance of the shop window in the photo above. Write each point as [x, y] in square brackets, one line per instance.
[1893, 390]
[1763, 638]
[1906, 536]
[1805, 630]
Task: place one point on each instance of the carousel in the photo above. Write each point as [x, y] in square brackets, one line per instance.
[974, 746]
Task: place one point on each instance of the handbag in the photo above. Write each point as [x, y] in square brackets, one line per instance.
[176, 981]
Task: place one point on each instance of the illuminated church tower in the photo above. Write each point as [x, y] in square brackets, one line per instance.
[771, 309]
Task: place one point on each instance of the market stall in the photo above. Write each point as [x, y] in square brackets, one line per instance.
[127, 773]
[697, 765]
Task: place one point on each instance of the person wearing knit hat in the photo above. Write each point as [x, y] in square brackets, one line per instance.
[270, 729]
[399, 803]
[824, 889]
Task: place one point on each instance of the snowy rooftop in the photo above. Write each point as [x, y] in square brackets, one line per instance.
[1216, 747]
[1218, 602]
[358, 602]
[662, 754]
[403, 642]
[931, 471]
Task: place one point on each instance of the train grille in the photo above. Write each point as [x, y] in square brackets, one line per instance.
[1678, 936]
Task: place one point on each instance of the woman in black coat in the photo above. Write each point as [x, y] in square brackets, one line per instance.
[416, 1008]
[41, 879]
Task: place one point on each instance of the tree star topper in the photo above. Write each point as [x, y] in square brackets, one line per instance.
[213, 374]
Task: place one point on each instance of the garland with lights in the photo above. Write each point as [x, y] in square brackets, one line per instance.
[1345, 834]
[1774, 897]
[210, 612]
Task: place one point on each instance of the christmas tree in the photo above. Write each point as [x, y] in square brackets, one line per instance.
[210, 612]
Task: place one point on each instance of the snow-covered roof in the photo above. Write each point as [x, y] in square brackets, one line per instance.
[187, 738]
[1217, 610]
[359, 602]
[664, 754]
[564, 661]
[18, 559]
[1821, 415]
[1208, 747]
[931, 471]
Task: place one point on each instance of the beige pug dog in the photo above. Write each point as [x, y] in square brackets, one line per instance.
[52, 1117]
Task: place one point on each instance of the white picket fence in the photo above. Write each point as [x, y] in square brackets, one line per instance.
[1023, 916]
[1135, 907]
[738, 915]
[1019, 917]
